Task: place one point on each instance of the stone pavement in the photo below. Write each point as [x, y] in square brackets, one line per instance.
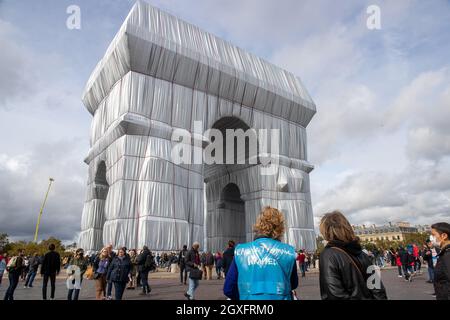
[165, 286]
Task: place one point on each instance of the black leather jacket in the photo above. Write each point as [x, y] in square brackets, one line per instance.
[340, 279]
[442, 274]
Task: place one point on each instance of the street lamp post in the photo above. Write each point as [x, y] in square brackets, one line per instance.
[42, 209]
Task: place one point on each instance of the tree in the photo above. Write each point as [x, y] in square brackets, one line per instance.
[368, 245]
[31, 247]
[418, 238]
[319, 244]
[4, 241]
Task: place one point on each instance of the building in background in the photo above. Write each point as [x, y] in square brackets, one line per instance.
[390, 232]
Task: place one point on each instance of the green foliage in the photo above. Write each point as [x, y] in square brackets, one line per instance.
[368, 245]
[418, 238]
[319, 244]
[31, 247]
[4, 242]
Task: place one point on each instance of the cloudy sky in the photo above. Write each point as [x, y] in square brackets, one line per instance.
[380, 141]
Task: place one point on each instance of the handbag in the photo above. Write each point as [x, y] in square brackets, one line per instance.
[89, 274]
[195, 274]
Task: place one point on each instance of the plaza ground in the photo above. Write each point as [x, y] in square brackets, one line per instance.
[166, 286]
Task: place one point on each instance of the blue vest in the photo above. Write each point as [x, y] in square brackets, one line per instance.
[264, 269]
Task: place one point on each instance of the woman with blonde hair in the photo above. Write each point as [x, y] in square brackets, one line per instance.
[265, 268]
[346, 272]
[101, 265]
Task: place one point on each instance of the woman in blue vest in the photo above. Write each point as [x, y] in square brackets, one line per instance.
[265, 268]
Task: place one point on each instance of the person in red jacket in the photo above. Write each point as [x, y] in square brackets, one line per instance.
[301, 262]
[417, 263]
[398, 262]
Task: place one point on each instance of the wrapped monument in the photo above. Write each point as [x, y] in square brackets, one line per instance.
[161, 74]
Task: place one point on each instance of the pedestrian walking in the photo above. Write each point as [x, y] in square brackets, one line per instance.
[118, 272]
[398, 262]
[410, 262]
[265, 268]
[14, 268]
[77, 266]
[101, 265]
[301, 262]
[158, 259]
[209, 264]
[219, 264]
[145, 261]
[228, 256]
[182, 264]
[343, 265]
[195, 274]
[51, 265]
[26, 268]
[405, 263]
[133, 272]
[109, 284]
[34, 263]
[441, 234]
[203, 264]
[417, 262]
[3, 264]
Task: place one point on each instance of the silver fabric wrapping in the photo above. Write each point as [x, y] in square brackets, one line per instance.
[161, 73]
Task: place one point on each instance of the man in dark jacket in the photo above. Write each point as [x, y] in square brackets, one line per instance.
[51, 266]
[441, 233]
[14, 273]
[182, 264]
[405, 260]
[209, 264]
[34, 263]
[228, 256]
[192, 262]
[142, 261]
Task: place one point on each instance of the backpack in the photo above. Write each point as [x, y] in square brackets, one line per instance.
[12, 264]
[149, 262]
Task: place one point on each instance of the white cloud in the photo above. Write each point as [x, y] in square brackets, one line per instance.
[18, 165]
[427, 143]
[419, 194]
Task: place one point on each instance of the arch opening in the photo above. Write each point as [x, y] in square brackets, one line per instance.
[227, 219]
[100, 181]
[244, 141]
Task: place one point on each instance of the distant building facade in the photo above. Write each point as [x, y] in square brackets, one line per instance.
[391, 232]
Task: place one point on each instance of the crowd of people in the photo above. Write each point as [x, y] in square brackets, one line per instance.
[265, 268]
[122, 270]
